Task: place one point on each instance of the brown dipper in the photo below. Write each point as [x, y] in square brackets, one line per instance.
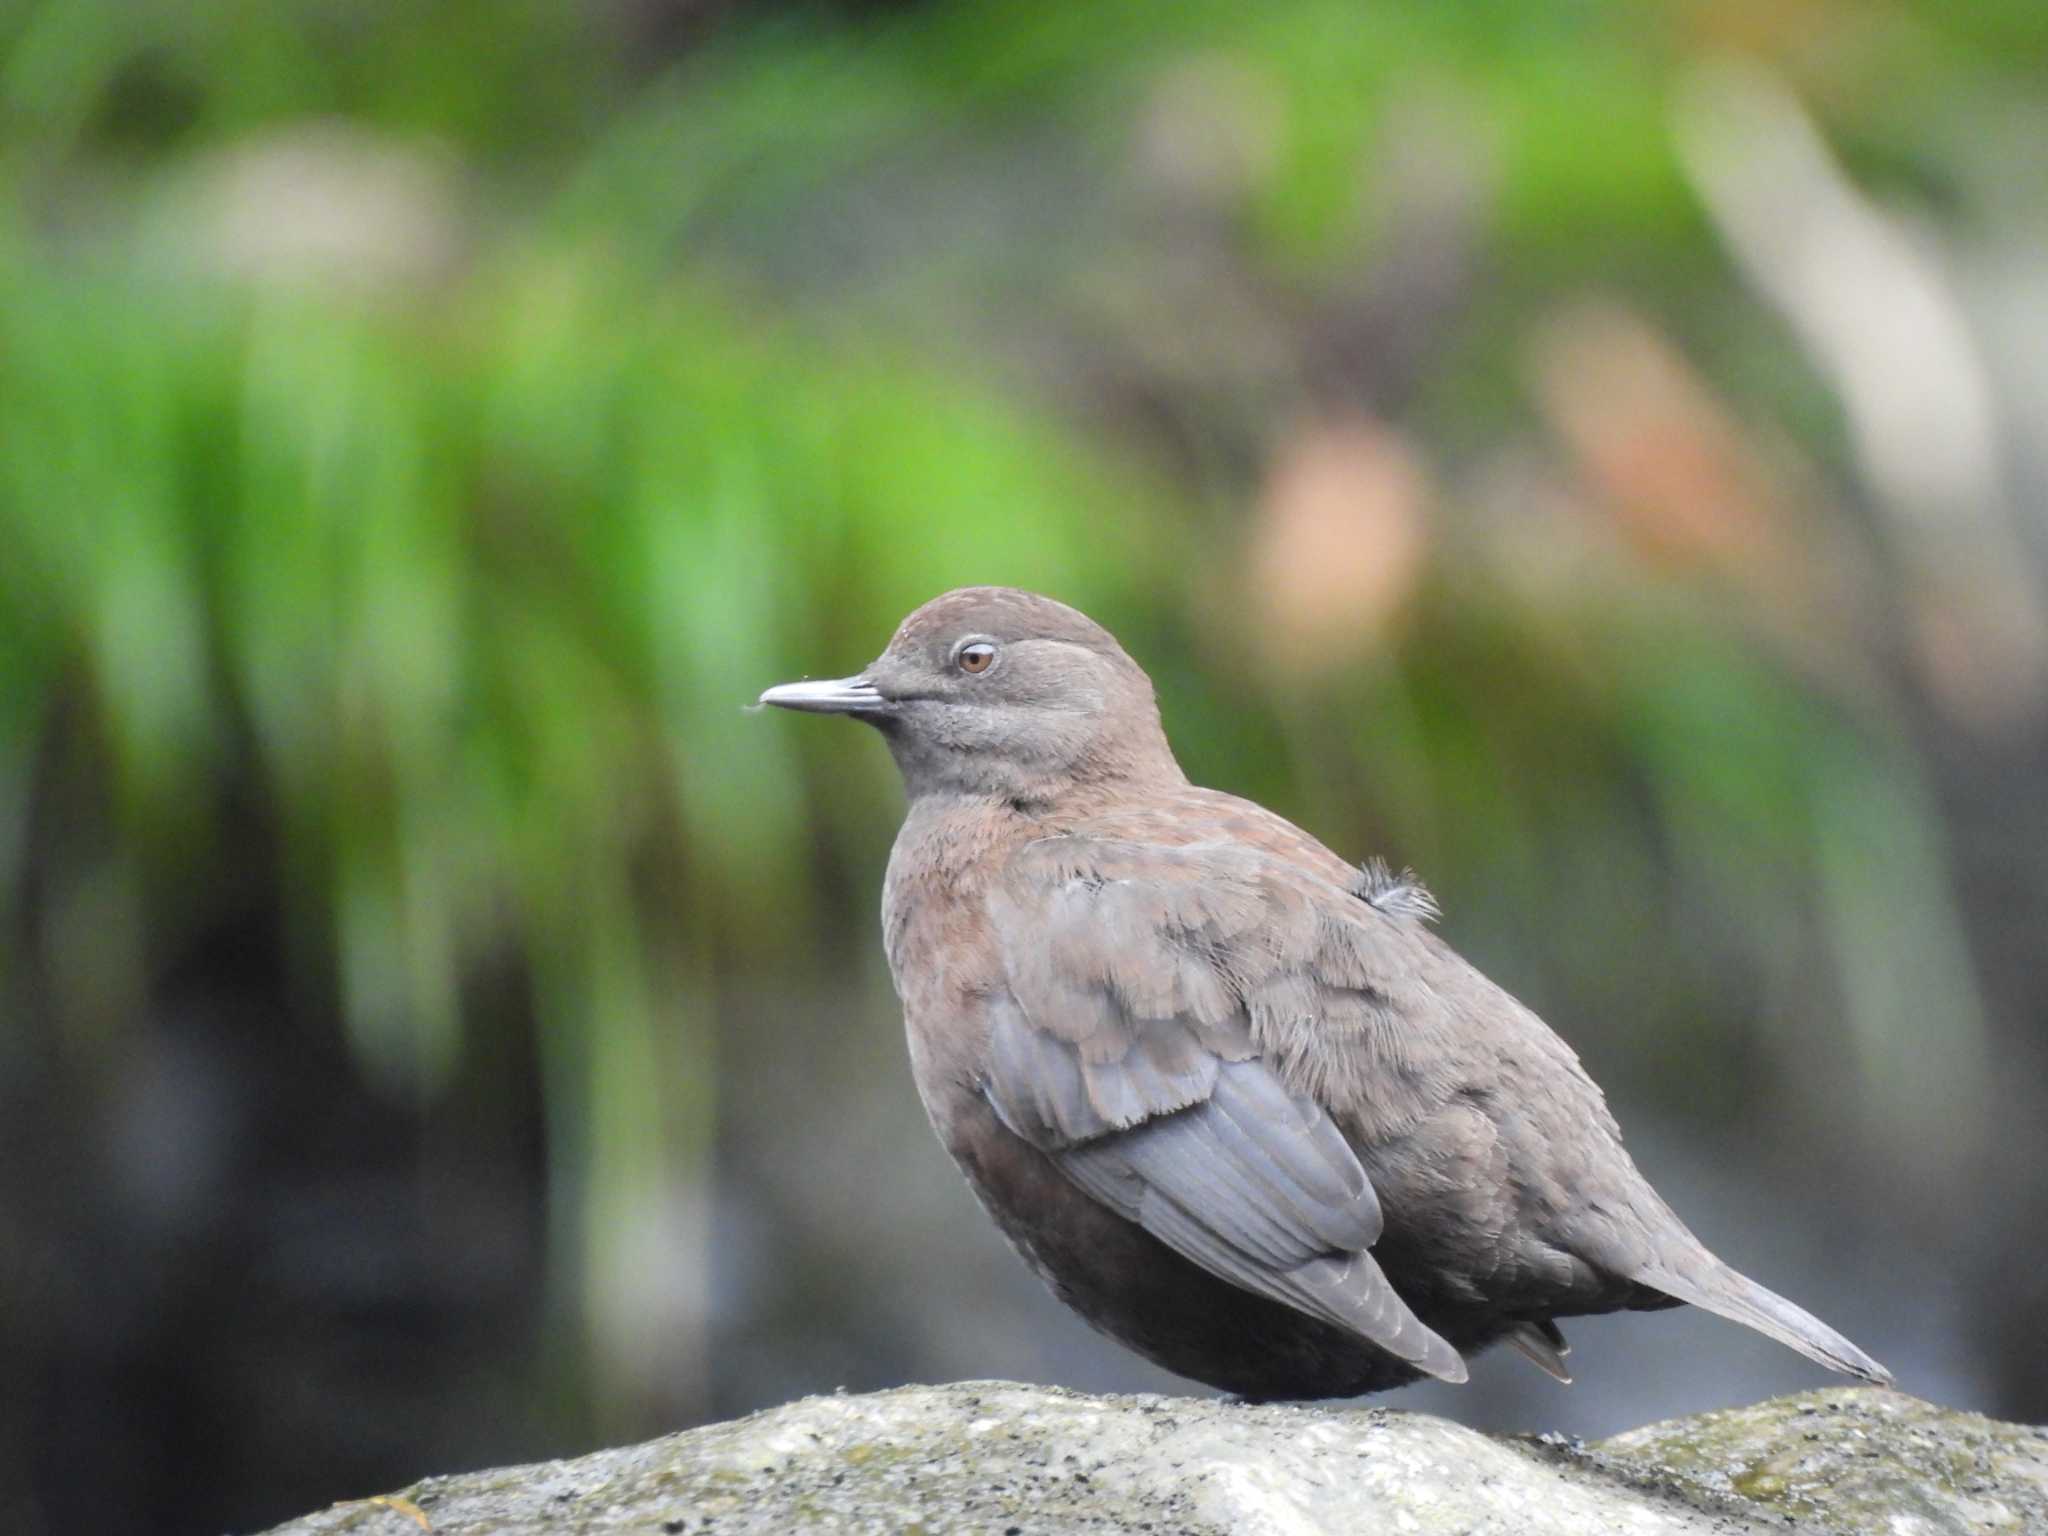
[1226, 1092]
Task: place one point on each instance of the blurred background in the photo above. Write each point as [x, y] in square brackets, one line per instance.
[1596, 454]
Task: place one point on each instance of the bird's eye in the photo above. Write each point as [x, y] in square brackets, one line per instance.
[975, 658]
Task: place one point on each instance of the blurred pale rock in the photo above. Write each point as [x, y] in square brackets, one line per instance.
[1338, 545]
[992, 1457]
[1883, 310]
[1209, 129]
[323, 203]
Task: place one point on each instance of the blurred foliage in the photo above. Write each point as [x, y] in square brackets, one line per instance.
[422, 428]
[475, 597]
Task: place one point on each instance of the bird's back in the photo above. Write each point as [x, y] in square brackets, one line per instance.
[1495, 1158]
[1507, 1195]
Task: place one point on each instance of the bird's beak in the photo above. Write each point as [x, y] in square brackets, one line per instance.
[828, 696]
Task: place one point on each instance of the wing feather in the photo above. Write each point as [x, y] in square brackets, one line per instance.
[1123, 1047]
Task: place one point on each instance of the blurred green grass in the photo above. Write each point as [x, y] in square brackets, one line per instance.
[475, 600]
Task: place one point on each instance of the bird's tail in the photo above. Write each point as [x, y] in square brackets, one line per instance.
[1728, 1293]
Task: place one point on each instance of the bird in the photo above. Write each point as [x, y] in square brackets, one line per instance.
[1229, 1094]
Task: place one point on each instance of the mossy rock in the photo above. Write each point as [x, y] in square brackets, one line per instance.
[1030, 1461]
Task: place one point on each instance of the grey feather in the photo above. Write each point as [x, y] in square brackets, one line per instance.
[1175, 1177]
[1733, 1295]
[1253, 1183]
[1543, 1346]
[1402, 895]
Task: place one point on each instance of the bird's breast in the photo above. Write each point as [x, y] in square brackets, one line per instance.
[944, 956]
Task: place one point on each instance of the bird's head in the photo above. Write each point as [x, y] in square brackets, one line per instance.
[996, 693]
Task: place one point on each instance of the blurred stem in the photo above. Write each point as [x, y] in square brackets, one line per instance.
[1915, 1014]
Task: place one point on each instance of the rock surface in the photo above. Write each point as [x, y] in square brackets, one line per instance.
[1031, 1461]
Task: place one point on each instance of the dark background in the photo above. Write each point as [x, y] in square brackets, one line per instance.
[1594, 453]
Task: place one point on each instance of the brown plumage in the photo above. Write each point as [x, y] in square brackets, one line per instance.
[1225, 1091]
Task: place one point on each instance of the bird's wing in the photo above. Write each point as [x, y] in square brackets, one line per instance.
[1123, 1046]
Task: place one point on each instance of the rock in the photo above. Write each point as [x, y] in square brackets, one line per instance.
[992, 1457]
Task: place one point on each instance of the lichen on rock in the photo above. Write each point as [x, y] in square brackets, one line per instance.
[997, 1457]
